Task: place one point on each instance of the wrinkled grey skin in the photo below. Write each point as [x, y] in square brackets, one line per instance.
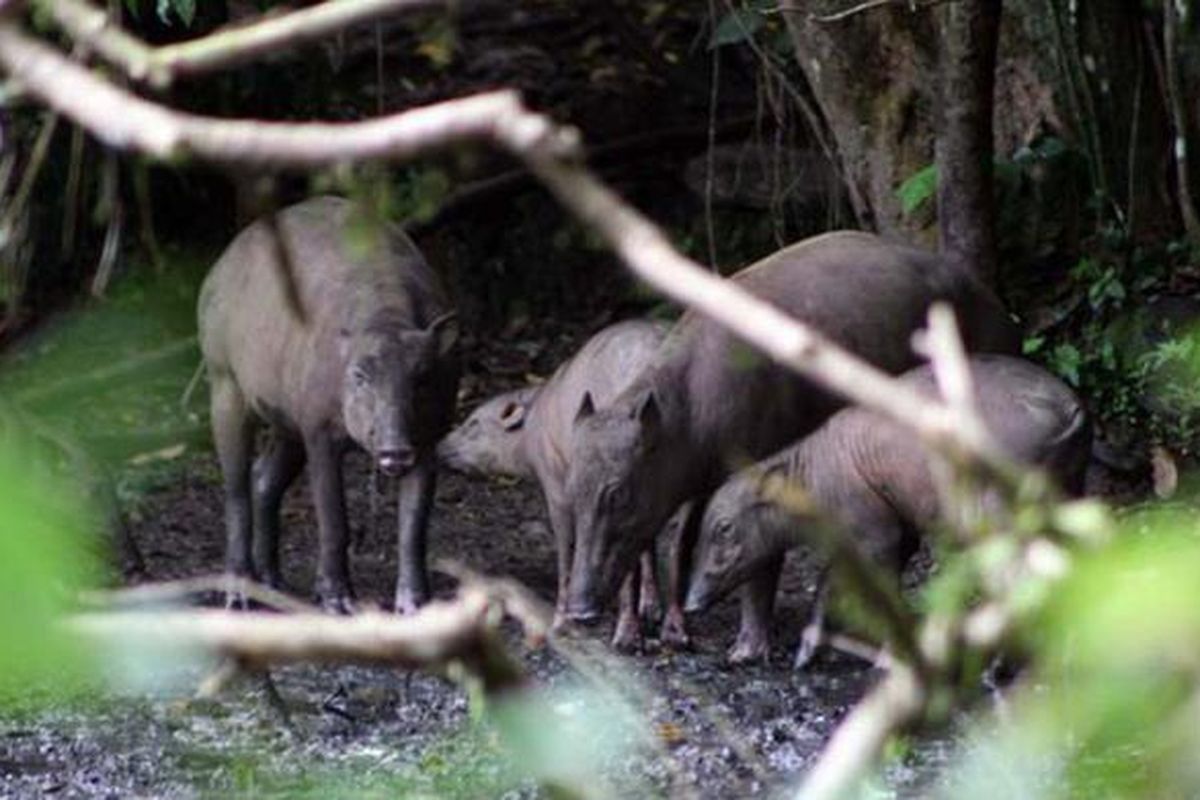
[708, 404]
[872, 476]
[526, 433]
[372, 363]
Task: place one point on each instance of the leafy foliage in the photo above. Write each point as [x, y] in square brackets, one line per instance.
[45, 559]
[1127, 347]
[1110, 709]
[111, 377]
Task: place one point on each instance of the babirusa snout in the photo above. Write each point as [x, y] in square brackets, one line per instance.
[698, 596]
[396, 460]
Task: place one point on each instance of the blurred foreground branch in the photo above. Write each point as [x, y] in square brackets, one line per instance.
[462, 630]
[124, 121]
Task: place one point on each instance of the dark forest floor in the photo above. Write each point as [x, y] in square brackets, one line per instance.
[375, 728]
[711, 730]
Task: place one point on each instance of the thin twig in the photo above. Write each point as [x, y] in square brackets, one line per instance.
[710, 160]
[145, 212]
[1178, 111]
[165, 592]
[1131, 177]
[378, 69]
[71, 195]
[12, 224]
[913, 6]
[952, 372]
[228, 47]
[193, 383]
[37, 159]
[114, 209]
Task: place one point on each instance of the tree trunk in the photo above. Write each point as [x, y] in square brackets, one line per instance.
[870, 73]
[1081, 72]
[965, 142]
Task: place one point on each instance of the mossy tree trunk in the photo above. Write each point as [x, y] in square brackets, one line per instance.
[870, 73]
[1083, 72]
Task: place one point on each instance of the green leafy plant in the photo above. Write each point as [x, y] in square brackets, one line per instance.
[1110, 706]
[918, 189]
[1134, 366]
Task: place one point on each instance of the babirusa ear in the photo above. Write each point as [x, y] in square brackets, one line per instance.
[513, 416]
[445, 329]
[649, 414]
[586, 407]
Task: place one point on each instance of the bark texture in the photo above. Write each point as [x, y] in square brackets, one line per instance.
[870, 73]
[965, 143]
[1082, 72]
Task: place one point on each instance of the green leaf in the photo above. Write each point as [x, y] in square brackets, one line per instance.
[1066, 360]
[439, 42]
[186, 9]
[918, 189]
[183, 10]
[736, 27]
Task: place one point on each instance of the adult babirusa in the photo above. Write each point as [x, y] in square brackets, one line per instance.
[707, 403]
[368, 358]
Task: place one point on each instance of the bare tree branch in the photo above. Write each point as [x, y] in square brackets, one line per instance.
[1177, 105]
[177, 590]
[838, 16]
[160, 66]
[127, 122]
[440, 633]
[858, 741]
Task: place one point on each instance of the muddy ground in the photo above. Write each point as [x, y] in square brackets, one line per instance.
[716, 731]
[710, 731]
